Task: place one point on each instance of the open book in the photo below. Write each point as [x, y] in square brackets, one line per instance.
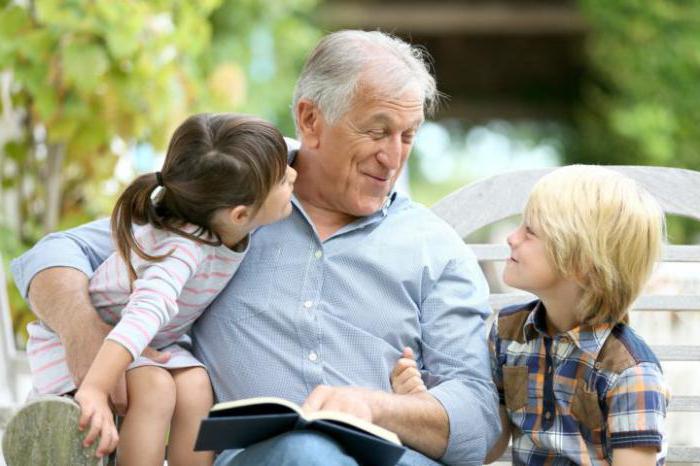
[238, 424]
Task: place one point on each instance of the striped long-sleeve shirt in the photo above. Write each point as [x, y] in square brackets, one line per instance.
[167, 296]
[156, 310]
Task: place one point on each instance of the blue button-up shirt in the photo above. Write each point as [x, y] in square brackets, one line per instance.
[302, 312]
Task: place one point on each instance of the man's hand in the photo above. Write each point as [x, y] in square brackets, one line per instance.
[419, 420]
[405, 377]
[352, 400]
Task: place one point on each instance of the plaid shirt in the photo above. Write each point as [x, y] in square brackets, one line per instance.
[574, 397]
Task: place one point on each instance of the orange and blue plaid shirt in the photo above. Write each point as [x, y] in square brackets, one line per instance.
[575, 397]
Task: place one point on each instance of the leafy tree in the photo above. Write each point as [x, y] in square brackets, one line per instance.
[267, 46]
[78, 76]
[640, 105]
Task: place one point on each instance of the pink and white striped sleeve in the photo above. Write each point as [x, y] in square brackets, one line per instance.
[153, 301]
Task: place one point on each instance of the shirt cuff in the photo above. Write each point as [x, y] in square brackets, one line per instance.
[127, 343]
[51, 252]
[642, 438]
[469, 428]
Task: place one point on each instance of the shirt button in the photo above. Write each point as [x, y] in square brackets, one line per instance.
[549, 370]
[318, 254]
[313, 356]
[547, 415]
[308, 304]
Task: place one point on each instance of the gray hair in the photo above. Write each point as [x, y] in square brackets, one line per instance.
[331, 74]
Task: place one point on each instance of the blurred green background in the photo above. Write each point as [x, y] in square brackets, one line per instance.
[91, 89]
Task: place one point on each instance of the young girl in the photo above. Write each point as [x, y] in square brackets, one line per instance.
[224, 175]
[577, 385]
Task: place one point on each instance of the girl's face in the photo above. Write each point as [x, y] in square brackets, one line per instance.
[277, 204]
[528, 266]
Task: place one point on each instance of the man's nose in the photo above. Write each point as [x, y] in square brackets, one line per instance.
[391, 152]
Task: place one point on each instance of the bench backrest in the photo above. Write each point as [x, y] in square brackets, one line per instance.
[497, 198]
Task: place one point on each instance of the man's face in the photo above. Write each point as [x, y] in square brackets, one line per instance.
[361, 156]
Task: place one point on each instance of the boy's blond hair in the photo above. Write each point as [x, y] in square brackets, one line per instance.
[602, 230]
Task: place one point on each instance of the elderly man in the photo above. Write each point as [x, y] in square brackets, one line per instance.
[326, 300]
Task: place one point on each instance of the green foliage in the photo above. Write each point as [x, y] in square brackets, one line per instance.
[273, 40]
[646, 60]
[85, 72]
[641, 104]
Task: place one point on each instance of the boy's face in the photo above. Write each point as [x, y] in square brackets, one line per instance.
[528, 267]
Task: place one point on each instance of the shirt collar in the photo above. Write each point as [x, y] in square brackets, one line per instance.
[588, 338]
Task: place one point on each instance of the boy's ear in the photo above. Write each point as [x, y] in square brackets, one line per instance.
[309, 123]
[240, 214]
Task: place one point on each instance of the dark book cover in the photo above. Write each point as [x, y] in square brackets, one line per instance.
[244, 425]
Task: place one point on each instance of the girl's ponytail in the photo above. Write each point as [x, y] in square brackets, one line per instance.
[214, 161]
[135, 206]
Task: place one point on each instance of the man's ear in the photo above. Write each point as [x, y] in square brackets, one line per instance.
[241, 214]
[309, 123]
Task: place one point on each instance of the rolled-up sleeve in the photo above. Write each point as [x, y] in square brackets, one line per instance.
[82, 248]
[455, 354]
[637, 404]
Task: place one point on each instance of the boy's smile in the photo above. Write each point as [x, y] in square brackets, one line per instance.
[528, 266]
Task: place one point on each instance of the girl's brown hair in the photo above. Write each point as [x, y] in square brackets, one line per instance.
[213, 161]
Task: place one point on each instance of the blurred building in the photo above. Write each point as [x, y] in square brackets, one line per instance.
[495, 59]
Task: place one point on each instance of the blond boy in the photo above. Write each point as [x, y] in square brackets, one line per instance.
[576, 384]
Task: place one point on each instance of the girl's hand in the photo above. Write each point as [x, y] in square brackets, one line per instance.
[405, 377]
[95, 411]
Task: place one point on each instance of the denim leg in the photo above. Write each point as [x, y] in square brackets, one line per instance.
[298, 448]
[413, 458]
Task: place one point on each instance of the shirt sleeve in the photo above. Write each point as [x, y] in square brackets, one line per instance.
[637, 403]
[153, 300]
[83, 248]
[455, 353]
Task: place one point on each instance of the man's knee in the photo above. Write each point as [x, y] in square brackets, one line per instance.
[297, 448]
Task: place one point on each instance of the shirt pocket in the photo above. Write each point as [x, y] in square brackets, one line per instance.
[515, 382]
[585, 407]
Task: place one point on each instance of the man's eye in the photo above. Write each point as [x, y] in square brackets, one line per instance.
[376, 133]
[408, 138]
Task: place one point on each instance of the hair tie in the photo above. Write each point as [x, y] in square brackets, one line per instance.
[159, 179]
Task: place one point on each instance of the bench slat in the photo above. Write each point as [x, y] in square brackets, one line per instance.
[684, 404]
[643, 303]
[501, 252]
[683, 455]
[675, 455]
[676, 352]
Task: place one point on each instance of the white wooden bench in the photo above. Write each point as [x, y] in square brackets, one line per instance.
[481, 204]
[497, 198]
[13, 363]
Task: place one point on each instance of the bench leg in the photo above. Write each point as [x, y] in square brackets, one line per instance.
[45, 432]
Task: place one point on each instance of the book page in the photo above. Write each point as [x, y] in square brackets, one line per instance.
[263, 400]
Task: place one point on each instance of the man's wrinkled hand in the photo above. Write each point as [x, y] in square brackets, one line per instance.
[356, 401]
